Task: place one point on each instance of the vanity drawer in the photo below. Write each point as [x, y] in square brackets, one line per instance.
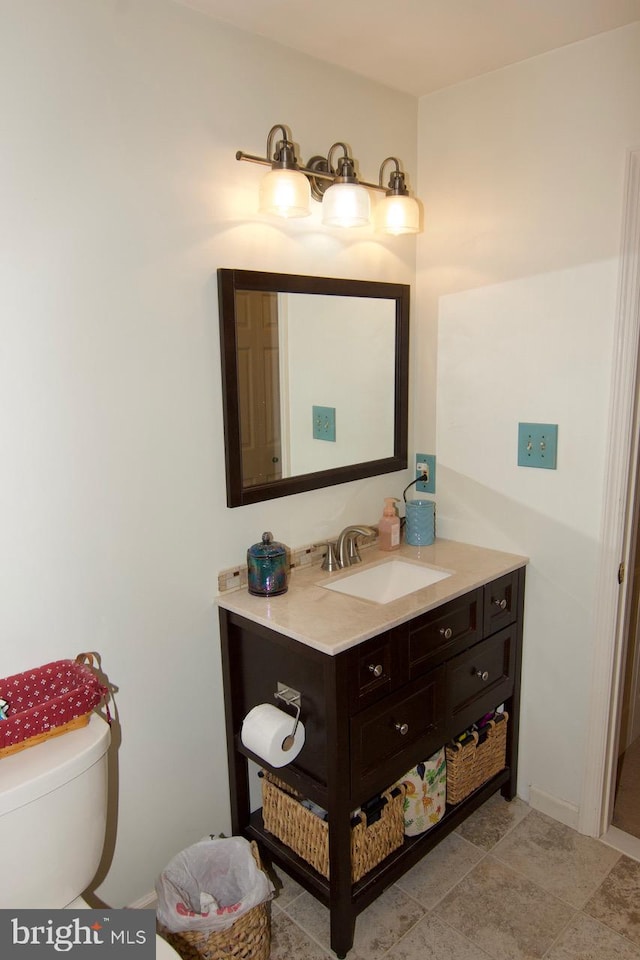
[374, 670]
[500, 603]
[479, 679]
[388, 739]
[445, 631]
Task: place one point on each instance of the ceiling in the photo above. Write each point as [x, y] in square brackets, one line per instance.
[418, 46]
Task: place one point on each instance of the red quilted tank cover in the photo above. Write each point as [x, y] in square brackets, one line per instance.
[47, 697]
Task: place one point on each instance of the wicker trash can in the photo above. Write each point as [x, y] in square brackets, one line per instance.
[248, 937]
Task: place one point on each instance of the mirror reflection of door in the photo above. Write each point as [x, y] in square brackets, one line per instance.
[258, 383]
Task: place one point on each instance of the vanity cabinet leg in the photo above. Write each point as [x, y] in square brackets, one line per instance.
[342, 932]
[508, 790]
[512, 706]
[237, 764]
[343, 914]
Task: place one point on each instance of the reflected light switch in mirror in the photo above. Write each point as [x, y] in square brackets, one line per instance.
[324, 423]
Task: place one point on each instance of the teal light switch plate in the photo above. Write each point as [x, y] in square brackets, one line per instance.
[538, 445]
[324, 423]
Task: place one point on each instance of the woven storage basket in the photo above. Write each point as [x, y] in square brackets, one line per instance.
[248, 938]
[48, 701]
[308, 835]
[472, 764]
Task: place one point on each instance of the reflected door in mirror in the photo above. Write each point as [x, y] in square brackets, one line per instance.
[258, 384]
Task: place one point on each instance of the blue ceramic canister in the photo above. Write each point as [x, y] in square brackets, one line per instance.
[268, 570]
[420, 527]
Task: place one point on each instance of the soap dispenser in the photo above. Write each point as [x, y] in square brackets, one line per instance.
[389, 526]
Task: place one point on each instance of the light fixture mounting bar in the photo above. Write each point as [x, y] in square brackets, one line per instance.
[252, 158]
[241, 155]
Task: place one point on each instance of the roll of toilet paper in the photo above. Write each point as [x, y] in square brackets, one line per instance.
[265, 730]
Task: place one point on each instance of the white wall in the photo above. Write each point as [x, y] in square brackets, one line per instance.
[522, 175]
[120, 197]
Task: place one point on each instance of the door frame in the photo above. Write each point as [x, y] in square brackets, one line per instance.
[630, 718]
[617, 536]
[634, 697]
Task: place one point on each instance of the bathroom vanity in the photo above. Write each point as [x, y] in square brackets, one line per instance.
[382, 687]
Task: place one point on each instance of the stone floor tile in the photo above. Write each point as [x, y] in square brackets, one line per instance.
[504, 913]
[433, 938]
[488, 825]
[557, 858]
[435, 875]
[287, 889]
[615, 902]
[586, 939]
[520, 901]
[289, 942]
[378, 927]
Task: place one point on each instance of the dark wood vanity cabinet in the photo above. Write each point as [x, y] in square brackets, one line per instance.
[370, 714]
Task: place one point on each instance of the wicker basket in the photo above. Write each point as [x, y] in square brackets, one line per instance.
[471, 764]
[308, 835]
[48, 701]
[249, 938]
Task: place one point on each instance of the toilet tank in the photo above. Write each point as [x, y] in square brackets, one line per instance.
[53, 809]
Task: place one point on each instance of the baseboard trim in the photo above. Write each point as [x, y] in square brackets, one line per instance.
[148, 902]
[624, 842]
[561, 810]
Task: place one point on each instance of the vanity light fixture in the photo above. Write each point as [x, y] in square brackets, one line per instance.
[346, 202]
[286, 189]
[398, 212]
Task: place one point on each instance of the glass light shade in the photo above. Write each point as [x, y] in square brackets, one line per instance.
[398, 214]
[285, 193]
[346, 205]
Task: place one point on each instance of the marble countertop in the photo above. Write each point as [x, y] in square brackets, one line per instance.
[332, 622]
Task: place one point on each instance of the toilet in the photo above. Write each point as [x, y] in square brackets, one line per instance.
[53, 814]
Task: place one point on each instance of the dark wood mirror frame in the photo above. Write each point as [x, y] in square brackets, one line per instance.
[231, 280]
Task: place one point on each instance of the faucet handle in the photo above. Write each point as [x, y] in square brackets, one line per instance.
[330, 562]
[352, 548]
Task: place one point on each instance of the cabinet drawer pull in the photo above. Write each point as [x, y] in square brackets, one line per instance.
[482, 674]
[501, 603]
[446, 632]
[376, 669]
[402, 728]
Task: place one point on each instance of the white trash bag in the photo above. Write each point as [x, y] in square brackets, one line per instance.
[209, 885]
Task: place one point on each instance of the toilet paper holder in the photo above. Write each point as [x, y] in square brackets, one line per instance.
[293, 699]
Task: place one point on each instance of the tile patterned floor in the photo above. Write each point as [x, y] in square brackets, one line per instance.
[509, 884]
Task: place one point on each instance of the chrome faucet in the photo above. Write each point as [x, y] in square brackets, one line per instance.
[346, 547]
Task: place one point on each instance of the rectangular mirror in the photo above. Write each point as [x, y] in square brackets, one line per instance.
[314, 381]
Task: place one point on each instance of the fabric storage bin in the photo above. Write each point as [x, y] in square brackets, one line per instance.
[471, 764]
[48, 701]
[308, 834]
[248, 938]
[425, 796]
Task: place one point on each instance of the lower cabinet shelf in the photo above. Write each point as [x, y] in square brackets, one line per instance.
[391, 868]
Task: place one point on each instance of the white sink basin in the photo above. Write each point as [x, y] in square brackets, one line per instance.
[387, 581]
